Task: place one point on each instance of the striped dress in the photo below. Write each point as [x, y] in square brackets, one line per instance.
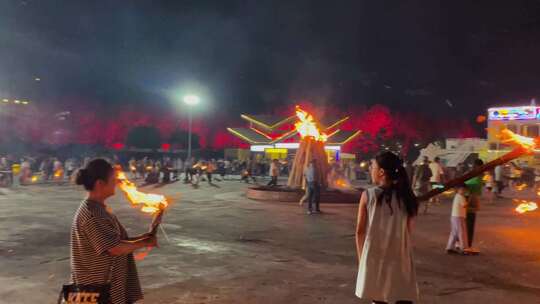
[94, 231]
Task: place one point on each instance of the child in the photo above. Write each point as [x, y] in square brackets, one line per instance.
[458, 233]
[474, 187]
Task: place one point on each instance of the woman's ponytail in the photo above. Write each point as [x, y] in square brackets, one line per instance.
[399, 180]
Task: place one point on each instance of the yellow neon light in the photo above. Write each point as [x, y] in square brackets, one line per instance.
[244, 116]
[348, 139]
[337, 123]
[244, 137]
[276, 150]
[284, 136]
[261, 133]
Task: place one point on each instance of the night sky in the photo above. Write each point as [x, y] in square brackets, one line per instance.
[446, 57]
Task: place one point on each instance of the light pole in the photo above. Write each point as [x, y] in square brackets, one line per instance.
[190, 100]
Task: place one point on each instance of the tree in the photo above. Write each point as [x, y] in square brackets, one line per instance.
[144, 137]
[179, 139]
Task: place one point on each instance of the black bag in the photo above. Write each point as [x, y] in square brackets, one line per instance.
[87, 294]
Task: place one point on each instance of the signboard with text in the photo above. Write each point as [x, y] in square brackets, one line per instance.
[514, 113]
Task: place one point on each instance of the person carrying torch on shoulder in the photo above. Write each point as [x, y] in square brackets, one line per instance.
[474, 187]
[101, 250]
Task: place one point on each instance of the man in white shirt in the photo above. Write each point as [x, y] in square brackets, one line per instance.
[458, 232]
[437, 174]
[274, 172]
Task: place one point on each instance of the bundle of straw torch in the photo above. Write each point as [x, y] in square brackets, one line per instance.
[147, 202]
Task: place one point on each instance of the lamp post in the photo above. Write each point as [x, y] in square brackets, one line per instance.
[190, 100]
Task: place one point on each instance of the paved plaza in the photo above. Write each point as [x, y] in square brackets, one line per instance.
[225, 248]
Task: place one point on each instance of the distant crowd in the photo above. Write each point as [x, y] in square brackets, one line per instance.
[28, 170]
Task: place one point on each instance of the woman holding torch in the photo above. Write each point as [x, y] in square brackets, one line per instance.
[101, 251]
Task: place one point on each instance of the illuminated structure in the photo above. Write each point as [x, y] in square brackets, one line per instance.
[523, 120]
[275, 136]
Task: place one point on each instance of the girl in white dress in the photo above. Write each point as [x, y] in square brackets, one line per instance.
[386, 269]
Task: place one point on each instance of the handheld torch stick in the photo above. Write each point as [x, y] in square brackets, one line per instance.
[517, 152]
[157, 225]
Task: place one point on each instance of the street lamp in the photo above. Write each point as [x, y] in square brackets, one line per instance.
[191, 101]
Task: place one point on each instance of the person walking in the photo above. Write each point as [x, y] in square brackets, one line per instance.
[421, 178]
[188, 170]
[499, 182]
[386, 271]
[313, 181]
[249, 171]
[227, 166]
[210, 169]
[461, 169]
[458, 232]
[178, 168]
[132, 165]
[70, 166]
[437, 176]
[474, 185]
[101, 250]
[274, 172]
[409, 169]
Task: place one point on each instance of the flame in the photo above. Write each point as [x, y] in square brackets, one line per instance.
[34, 178]
[526, 206]
[150, 202]
[521, 187]
[508, 137]
[480, 118]
[132, 168]
[306, 126]
[58, 173]
[449, 192]
[139, 256]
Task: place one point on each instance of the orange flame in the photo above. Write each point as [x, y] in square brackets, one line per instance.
[306, 126]
[508, 137]
[526, 206]
[58, 173]
[521, 187]
[151, 203]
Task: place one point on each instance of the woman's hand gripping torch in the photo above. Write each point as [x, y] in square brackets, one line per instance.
[147, 202]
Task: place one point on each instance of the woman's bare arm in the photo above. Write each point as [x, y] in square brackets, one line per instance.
[361, 225]
[127, 247]
[410, 224]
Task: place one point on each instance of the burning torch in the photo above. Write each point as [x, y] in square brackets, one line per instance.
[523, 146]
[148, 202]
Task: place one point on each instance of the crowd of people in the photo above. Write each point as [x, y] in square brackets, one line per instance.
[37, 169]
[427, 175]
[30, 169]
